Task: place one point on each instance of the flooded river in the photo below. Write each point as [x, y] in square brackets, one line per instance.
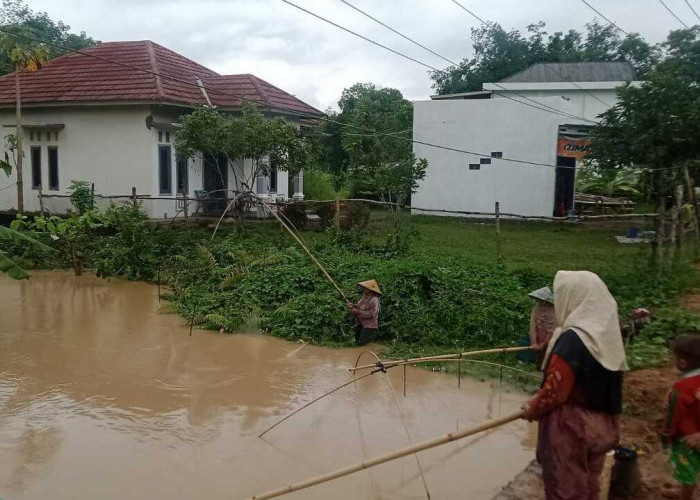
[102, 396]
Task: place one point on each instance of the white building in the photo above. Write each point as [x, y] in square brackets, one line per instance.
[540, 116]
[87, 118]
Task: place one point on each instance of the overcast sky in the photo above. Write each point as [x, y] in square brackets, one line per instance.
[314, 60]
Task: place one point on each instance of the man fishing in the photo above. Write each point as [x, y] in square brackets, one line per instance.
[366, 312]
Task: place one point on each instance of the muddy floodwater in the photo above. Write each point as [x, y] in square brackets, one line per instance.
[103, 396]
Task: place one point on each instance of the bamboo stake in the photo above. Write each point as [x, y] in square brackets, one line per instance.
[316, 399]
[426, 359]
[366, 464]
[480, 361]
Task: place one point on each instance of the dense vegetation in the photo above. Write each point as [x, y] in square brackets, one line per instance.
[444, 288]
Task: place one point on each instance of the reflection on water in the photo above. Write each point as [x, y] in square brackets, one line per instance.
[102, 397]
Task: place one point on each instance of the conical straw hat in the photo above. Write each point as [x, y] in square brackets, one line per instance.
[371, 285]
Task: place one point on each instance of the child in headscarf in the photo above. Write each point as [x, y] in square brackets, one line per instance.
[683, 421]
[542, 321]
[366, 311]
[581, 394]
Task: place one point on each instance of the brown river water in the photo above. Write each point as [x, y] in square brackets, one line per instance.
[102, 396]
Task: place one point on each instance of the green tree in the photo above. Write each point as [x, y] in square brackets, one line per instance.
[499, 53]
[269, 143]
[372, 148]
[16, 16]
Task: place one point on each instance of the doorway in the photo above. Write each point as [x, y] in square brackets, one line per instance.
[564, 185]
[215, 182]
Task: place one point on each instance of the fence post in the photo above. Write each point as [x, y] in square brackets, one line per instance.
[92, 195]
[41, 202]
[184, 200]
[498, 230]
[133, 196]
[337, 211]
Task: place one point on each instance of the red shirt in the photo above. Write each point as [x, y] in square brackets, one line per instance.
[684, 406]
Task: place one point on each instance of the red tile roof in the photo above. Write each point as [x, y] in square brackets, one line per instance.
[78, 78]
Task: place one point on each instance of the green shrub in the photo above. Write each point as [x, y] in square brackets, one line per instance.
[81, 196]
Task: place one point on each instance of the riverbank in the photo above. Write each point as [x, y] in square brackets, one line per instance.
[445, 288]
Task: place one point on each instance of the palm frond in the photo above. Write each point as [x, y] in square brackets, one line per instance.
[206, 255]
[18, 237]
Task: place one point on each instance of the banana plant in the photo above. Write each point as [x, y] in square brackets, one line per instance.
[7, 265]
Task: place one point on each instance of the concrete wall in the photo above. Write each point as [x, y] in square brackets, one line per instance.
[588, 104]
[485, 126]
[112, 147]
[109, 146]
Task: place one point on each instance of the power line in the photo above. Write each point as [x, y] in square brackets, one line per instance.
[538, 104]
[603, 16]
[300, 114]
[691, 8]
[673, 14]
[398, 32]
[469, 11]
[360, 36]
[550, 68]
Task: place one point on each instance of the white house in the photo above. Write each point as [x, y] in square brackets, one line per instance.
[503, 123]
[87, 118]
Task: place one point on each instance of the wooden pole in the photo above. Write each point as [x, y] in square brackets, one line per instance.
[134, 200]
[184, 201]
[92, 195]
[306, 249]
[498, 230]
[425, 445]
[20, 151]
[692, 199]
[427, 359]
[680, 223]
[41, 202]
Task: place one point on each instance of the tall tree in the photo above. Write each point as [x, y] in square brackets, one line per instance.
[16, 16]
[377, 123]
[499, 53]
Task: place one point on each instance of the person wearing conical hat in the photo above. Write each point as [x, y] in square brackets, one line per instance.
[366, 312]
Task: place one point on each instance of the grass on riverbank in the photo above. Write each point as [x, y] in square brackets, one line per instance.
[447, 291]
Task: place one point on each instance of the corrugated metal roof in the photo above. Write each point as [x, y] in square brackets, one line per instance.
[575, 72]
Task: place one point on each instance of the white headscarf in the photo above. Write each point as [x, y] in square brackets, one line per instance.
[582, 303]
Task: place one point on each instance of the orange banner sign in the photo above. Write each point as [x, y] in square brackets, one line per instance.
[573, 148]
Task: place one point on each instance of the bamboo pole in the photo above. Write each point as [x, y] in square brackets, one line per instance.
[316, 399]
[426, 359]
[306, 249]
[366, 464]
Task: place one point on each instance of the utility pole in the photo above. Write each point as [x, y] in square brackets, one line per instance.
[20, 152]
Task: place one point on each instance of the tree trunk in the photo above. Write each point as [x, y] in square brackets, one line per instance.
[678, 210]
[657, 254]
[20, 153]
[692, 200]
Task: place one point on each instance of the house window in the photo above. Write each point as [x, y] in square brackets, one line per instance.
[165, 169]
[31, 135]
[273, 180]
[496, 154]
[182, 180]
[167, 137]
[53, 168]
[474, 166]
[36, 166]
[160, 136]
[485, 161]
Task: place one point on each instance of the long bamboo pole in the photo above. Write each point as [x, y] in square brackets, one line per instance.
[306, 249]
[425, 445]
[427, 359]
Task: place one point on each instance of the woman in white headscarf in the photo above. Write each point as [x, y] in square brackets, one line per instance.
[581, 395]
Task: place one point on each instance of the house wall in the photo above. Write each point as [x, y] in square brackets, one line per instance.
[588, 104]
[485, 126]
[109, 146]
